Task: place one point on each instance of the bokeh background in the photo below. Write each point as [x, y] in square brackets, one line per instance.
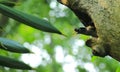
[53, 52]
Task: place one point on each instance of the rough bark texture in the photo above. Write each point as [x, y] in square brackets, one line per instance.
[106, 18]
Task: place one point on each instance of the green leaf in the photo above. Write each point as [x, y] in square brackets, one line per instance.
[8, 3]
[12, 46]
[28, 19]
[12, 63]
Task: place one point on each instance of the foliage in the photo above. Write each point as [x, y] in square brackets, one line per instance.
[55, 53]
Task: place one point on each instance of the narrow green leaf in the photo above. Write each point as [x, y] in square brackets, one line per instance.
[28, 19]
[12, 46]
[8, 3]
[12, 63]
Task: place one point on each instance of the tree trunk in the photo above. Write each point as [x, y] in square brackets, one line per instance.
[106, 18]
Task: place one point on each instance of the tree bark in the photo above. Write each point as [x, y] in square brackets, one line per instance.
[106, 18]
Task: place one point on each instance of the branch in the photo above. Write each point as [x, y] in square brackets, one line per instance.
[101, 21]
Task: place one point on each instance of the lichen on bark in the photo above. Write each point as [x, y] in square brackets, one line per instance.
[106, 18]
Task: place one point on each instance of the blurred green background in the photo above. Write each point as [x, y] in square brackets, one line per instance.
[52, 52]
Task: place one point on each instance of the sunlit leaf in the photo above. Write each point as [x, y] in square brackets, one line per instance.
[12, 46]
[12, 63]
[28, 19]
